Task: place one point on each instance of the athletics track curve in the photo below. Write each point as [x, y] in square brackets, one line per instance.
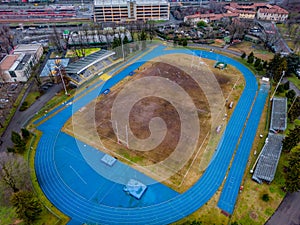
[72, 200]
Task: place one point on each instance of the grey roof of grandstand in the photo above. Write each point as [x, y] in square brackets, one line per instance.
[83, 63]
[267, 163]
[278, 116]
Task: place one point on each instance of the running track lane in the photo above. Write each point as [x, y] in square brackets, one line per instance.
[81, 210]
[231, 188]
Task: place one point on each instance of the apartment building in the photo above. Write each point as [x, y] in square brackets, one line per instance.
[260, 10]
[272, 13]
[128, 10]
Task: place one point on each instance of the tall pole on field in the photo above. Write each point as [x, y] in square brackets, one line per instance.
[283, 72]
[58, 66]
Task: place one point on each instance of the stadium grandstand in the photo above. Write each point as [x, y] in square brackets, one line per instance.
[278, 117]
[268, 159]
[89, 66]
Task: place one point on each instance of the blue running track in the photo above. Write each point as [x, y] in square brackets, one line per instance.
[231, 188]
[80, 192]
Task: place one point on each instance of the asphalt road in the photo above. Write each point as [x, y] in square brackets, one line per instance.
[288, 213]
[21, 118]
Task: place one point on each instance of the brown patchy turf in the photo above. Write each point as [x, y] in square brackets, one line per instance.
[92, 124]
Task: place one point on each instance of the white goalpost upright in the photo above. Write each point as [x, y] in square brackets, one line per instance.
[120, 140]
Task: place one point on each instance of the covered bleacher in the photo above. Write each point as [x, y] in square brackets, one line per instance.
[278, 116]
[85, 68]
[266, 167]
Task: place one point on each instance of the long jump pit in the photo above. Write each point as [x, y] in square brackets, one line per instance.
[162, 120]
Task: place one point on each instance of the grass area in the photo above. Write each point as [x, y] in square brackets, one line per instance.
[32, 97]
[295, 80]
[88, 51]
[7, 215]
[56, 55]
[248, 47]
[51, 215]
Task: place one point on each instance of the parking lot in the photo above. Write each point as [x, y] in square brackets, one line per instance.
[8, 94]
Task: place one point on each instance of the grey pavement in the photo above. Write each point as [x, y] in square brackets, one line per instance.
[288, 213]
[21, 118]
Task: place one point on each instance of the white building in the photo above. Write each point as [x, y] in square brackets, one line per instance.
[17, 66]
[34, 49]
[127, 10]
[272, 13]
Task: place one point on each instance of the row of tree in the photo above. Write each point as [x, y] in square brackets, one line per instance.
[16, 189]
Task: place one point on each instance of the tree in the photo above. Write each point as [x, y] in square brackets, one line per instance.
[143, 38]
[201, 24]
[25, 133]
[257, 62]
[294, 111]
[19, 143]
[55, 39]
[27, 206]
[14, 175]
[280, 89]
[265, 197]
[184, 42]
[243, 55]
[277, 65]
[292, 139]
[290, 95]
[250, 58]
[293, 61]
[286, 85]
[6, 39]
[126, 45]
[292, 176]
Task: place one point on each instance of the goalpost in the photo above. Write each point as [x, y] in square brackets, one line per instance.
[120, 140]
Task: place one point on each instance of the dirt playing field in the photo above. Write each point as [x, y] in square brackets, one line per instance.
[94, 125]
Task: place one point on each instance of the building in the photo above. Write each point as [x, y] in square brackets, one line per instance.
[209, 17]
[260, 10]
[90, 66]
[16, 67]
[128, 10]
[245, 11]
[33, 49]
[272, 13]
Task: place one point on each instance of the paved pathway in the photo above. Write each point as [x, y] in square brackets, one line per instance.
[288, 213]
[20, 118]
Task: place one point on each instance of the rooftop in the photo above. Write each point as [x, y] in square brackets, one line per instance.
[82, 64]
[27, 48]
[267, 164]
[23, 62]
[273, 10]
[8, 61]
[278, 116]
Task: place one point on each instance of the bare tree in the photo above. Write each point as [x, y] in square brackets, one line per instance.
[14, 175]
[6, 39]
[237, 28]
[55, 38]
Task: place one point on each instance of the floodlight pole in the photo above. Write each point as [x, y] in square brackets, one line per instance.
[283, 72]
[62, 80]
[122, 47]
